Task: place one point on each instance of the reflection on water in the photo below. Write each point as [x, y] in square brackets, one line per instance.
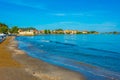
[96, 56]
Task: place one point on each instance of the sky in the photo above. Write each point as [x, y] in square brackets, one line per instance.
[99, 15]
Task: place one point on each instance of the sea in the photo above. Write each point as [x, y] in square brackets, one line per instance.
[96, 56]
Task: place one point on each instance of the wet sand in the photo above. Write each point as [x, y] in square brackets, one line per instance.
[15, 64]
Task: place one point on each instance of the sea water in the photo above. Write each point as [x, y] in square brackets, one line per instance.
[95, 56]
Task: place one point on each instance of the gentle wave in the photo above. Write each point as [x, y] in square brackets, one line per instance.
[103, 50]
[63, 43]
[58, 42]
[45, 40]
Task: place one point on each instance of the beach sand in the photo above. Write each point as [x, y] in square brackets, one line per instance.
[15, 64]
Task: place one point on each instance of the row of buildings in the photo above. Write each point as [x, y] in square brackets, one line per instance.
[27, 32]
[34, 32]
[62, 32]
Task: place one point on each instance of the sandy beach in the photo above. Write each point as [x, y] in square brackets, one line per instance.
[15, 64]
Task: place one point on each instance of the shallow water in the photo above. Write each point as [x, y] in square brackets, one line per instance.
[95, 56]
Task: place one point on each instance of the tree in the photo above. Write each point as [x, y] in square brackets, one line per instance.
[3, 28]
[47, 31]
[14, 29]
[115, 32]
[59, 30]
[79, 32]
[28, 29]
[93, 32]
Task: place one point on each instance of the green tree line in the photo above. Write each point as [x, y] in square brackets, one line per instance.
[3, 28]
[13, 30]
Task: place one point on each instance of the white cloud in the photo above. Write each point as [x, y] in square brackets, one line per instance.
[59, 14]
[71, 14]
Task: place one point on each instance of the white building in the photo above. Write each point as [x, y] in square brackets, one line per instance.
[26, 33]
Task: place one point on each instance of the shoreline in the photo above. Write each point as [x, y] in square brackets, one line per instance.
[38, 69]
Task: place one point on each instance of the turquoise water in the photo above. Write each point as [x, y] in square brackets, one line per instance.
[95, 56]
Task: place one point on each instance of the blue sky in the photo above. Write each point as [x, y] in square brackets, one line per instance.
[100, 15]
